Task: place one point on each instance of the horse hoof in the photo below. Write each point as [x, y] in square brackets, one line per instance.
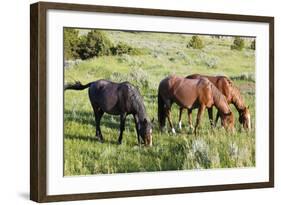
[173, 131]
[101, 140]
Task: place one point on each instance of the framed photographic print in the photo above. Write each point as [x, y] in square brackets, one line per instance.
[135, 102]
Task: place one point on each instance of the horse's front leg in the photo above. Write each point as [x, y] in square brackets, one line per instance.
[122, 127]
[199, 116]
[210, 114]
[217, 119]
[180, 114]
[189, 115]
[170, 121]
[137, 128]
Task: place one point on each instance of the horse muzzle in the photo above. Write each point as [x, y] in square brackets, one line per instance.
[148, 141]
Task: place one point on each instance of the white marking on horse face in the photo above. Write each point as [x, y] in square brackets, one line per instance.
[150, 131]
[150, 142]
[173, 131]
[180, 125]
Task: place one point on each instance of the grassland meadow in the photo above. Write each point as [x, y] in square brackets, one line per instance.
[144, 59]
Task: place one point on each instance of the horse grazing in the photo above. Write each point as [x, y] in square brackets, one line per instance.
[233, 96]
[191, 94]
[117, 99]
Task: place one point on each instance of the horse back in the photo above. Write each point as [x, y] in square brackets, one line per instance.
[183, 91]
[103, 94]
[205, 92]
[223, 84]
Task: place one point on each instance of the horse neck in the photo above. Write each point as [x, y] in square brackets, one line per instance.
[141, 114]
[237, 100]
[139, 108]
[220, 101]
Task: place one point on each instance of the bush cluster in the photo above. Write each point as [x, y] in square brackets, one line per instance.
[94, 44]
[238, 44]
[70, 43]
[123, 48]
[195, 42]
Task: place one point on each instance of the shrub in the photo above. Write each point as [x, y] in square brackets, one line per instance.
[136, 76]
[253, 45]
[238, 44]
[209, 61]
[195, 43]
[70, 43]
[96, 43]
[123, 48]
[244, 76]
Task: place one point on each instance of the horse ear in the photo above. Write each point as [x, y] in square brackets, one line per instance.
[248, 107]
[152, 120]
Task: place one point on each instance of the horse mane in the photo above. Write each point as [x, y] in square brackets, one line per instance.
[237, 98]
[219, 98]
[137, 101]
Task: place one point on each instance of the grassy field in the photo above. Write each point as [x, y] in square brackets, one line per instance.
[165, 54]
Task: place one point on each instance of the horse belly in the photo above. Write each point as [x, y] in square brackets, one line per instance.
[107, 102]
[186, 98]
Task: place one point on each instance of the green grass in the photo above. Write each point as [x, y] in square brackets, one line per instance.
[167, 53]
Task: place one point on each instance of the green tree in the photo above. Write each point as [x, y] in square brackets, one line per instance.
[123, 48]
[70, 43]
[195, 42]
[96, 43]
[238, 44]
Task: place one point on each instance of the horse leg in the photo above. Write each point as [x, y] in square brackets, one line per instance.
[217, 119]
[137, 128]
[98, 114]
[170, 121]
[189, 114]
[181, 109]
[199, 115]
[210, 113]
[122, 127]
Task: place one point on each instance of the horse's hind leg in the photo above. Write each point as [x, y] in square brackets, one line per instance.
[180, 114]
[122, 127]
[199, 116]
[98, 114]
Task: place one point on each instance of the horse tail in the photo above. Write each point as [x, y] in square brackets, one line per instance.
[161, 111]
[76, 86]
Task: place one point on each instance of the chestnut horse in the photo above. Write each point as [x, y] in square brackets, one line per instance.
[191, 94]
[233, 96]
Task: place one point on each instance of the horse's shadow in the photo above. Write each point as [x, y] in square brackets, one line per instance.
[92, 139]
[87, 118]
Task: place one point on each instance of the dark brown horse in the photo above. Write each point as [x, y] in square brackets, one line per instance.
[117, 99]
[191, 94]
[233, 96]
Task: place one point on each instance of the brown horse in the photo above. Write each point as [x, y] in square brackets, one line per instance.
[233, 96]
[191, 94]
